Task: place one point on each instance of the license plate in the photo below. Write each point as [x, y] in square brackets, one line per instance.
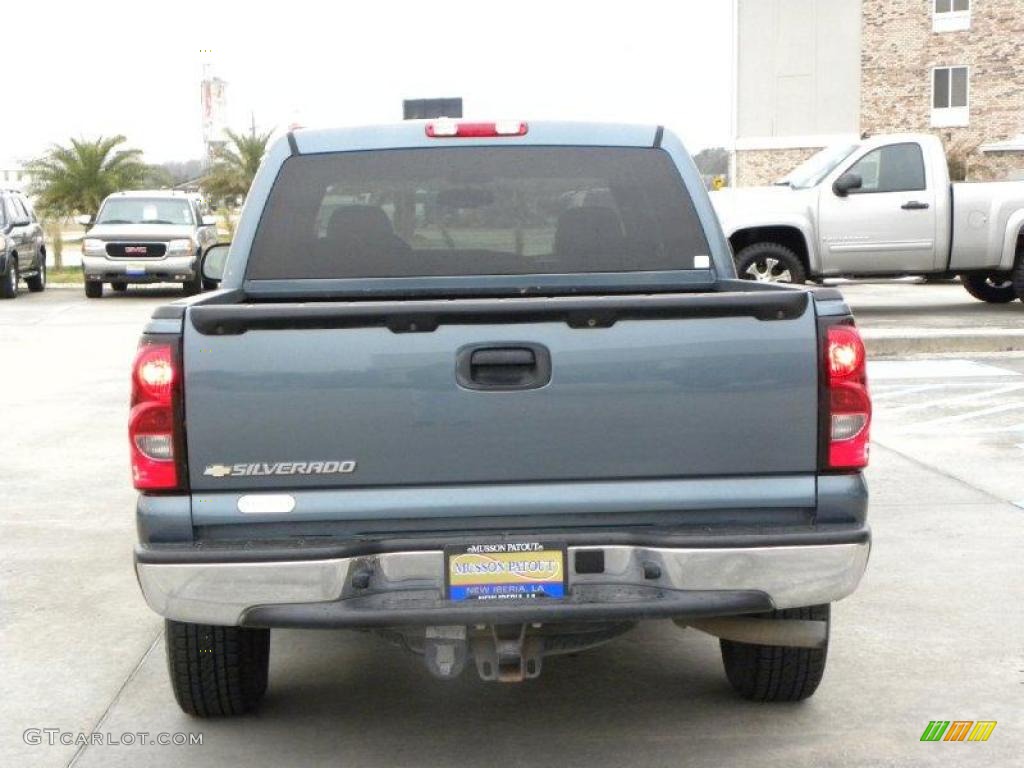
[504, 571]
[135, 271]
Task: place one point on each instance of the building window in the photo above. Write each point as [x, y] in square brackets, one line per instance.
[951, 15]
[950, 97]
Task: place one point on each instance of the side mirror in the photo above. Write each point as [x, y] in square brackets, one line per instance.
[214, 260]
[847, 183]
[209, 220]
[84, 219]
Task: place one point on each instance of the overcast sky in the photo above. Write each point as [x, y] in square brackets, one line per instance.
[109, 67]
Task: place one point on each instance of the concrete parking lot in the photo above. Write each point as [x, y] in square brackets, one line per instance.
[933, 633]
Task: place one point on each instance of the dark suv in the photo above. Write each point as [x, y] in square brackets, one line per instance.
[22, 251]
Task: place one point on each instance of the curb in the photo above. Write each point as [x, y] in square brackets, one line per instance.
[893, 342]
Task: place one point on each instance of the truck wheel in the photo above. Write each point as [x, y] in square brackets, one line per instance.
[193, 286]
[777, 673]
[217, 671]
[9, 282]
[770, 263]
[994, 288]
[1018, 271]
[37, 282]
[93, 289]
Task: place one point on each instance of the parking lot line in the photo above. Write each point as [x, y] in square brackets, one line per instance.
[883, 370]
[971, 397]
[887, 391]
[958, 417]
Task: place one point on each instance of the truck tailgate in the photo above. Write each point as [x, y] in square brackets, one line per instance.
[293, 396]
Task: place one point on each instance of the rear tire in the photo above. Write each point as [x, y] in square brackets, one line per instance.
[777, 673]
[9, 282]
[37, 283]
[217, 671]
[93, 289]
[994, 288]
[770, 263]
[1018, 271]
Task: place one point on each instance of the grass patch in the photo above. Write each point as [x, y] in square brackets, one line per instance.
[65, 275]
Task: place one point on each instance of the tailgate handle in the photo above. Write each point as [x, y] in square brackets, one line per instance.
[506, 367]
[503, 357]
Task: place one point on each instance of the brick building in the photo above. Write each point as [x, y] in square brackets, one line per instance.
[952, 67]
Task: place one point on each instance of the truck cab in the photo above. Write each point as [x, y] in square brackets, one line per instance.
[885, 208]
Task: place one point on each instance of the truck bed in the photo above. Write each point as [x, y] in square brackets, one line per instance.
[987, 218]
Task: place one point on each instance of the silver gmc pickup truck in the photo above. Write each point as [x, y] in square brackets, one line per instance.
[146, 237]
[494, 391]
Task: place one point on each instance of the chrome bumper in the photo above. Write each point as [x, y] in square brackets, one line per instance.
[223, 593]
[166, 267]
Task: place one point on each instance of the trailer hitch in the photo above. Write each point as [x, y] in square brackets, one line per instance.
[507, 656]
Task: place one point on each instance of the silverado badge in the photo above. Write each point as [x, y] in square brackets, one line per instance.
[260, 469]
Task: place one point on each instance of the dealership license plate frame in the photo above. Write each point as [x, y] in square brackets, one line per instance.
[474, 590]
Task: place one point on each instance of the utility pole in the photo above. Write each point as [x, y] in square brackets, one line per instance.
[252, 125]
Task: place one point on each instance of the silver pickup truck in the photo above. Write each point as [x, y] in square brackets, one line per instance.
[146, 237]
[881, 207]
[493, 391]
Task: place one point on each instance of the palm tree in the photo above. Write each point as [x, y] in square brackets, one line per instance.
[235, 164]
[76, 178]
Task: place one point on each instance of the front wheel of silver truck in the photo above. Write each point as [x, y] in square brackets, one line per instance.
[769, 262]
[217, 671]
[774, 672]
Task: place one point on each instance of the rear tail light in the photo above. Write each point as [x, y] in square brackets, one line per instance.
[154, 424]
[849, 404]
[457, 129]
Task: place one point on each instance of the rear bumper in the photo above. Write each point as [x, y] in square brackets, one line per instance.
[406, 588]
[169, 269]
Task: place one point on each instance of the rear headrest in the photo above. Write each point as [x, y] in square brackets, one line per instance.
[365, 225]
[588, 231]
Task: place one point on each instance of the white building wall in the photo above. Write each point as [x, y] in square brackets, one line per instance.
[798, 72]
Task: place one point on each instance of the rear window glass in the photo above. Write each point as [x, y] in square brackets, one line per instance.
[476, 211]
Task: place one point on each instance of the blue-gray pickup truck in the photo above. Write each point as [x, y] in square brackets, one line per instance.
[493, 391]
